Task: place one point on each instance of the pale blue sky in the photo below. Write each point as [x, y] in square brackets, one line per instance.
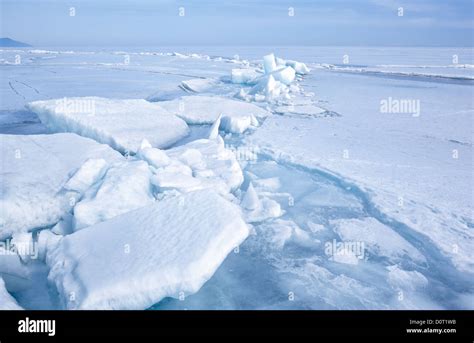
[243, 22]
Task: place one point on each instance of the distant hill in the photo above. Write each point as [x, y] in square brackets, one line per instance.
[7, 42]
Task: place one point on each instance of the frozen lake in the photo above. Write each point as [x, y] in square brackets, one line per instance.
[362, 174]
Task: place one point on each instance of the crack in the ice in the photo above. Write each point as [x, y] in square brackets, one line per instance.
[440, 267]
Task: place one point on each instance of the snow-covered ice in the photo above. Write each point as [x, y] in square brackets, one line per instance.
[250, 200]
[299, 67]
[285, 75]
[89, 173]
[348, 203]
[199, 85]
[204, 163]
[278, 76]
[125, 186]
[236, 116]
[403, 182]
[266, 88]
[34, 169]
[122, 124]
[245, 76]
[168, 249]
[257, 209]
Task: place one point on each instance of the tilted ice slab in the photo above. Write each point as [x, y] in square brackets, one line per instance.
[199, 85]
[271, 63]
[259, 209]
[168, 249]
[122, 124]
[129, 185]
[299, 67]
[211, 163]
[267, 88]
[7, 302]
[201, 164]
[34, 169]
[248, 76]
[276, 82]
[126, 186]
[237, 116]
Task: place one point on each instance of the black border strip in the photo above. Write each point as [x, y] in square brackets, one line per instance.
[83, 324]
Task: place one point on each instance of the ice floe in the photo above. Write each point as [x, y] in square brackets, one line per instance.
[245, 76]
[153, 156]
[89, 173]
[284, 75]
[250, 200]
[279, 232]
[205, 163]
[276, 82]
[377, 238]
[259, 209]
[299, 67]
[125, 186]
[35, 168]
[121, 123]
[214, 130]
[269, 63]
[199, 85]
[131, 184]
[237, 116]
[361, 177]
[168, 249]
[267, 88]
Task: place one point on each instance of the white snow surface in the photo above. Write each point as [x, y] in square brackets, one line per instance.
[34, 169]
[237, 116]
[125, 186]
[299, 67]
[410, 176]
[168, 249]
[267, 88]
[285, 75]
[89, 173]
[121, 123]
[204, 163]
[331, 165]
[245, 76]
